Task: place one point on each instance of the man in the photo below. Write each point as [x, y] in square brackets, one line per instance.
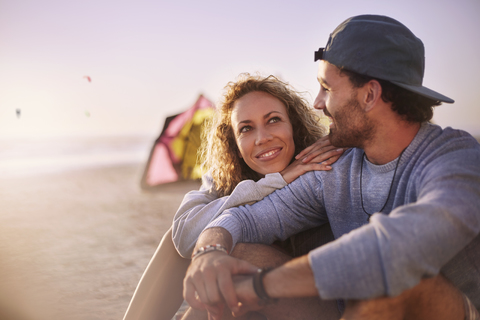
[403, 203]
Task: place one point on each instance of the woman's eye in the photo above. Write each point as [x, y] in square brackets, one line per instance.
[274, 119]
[245, 129]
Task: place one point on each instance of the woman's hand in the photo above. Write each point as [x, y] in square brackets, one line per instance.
[208, 283]
[249, 300]
[318, 156]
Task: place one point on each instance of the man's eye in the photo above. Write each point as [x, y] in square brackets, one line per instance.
[324, 88]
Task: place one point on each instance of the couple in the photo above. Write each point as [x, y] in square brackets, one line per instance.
[403, 203]
[263, 136]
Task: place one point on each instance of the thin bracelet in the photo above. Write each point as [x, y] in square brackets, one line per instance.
[209, 248]
[260, 288]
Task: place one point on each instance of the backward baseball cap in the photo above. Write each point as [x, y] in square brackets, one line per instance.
[382, 48]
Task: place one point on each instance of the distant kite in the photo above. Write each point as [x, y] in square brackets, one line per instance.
[19, 113]
[88, 78]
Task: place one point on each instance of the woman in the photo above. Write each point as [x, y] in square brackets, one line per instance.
[249, 152]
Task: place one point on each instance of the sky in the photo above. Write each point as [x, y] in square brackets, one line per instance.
[151, 59]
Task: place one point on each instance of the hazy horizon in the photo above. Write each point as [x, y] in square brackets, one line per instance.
[150, 59]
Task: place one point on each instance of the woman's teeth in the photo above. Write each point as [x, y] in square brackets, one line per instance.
[268, 154]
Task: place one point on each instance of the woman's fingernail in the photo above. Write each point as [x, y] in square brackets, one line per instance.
[339, 150]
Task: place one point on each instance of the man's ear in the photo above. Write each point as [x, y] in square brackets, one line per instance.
[372, 93]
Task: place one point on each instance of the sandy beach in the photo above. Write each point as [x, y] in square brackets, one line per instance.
[74, 244]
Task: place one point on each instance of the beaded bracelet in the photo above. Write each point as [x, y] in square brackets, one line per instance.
[209, 248]
[259, 288]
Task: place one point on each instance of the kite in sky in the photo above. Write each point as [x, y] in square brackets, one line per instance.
[88, 78]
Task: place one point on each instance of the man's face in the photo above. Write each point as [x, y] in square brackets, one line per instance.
[350, 126]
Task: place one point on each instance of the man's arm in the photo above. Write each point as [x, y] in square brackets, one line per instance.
[285, 212]
[394, 252]
[294, 279]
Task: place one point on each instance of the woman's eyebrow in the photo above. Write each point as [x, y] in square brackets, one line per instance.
[244, 121]
[270, 113]
[265, 116]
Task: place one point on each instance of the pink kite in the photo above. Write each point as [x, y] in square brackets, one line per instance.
[174, 154]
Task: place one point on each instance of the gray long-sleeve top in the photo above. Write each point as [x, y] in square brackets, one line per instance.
[199, 207]
[430, 224]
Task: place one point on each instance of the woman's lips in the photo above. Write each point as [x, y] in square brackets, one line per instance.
[265, 155]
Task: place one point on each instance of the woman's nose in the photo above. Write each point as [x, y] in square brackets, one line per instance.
[262, 136]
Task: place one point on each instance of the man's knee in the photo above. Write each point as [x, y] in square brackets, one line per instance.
[260, 255]
[433, 298]
[379, 308]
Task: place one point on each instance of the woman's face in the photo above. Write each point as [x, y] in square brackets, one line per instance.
[263, 132]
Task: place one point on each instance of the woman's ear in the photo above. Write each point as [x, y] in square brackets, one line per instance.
[372, 93]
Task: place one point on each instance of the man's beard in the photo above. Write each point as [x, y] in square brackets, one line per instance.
[352, 128]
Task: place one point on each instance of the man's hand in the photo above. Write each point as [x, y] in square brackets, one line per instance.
[209, 285]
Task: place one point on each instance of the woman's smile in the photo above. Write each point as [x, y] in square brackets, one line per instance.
[270, 154]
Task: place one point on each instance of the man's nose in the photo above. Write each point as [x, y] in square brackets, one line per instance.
[263, 136]
[319, 102]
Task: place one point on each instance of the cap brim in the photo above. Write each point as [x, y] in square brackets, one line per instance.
[423, 91]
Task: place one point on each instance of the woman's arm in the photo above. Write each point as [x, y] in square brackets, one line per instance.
[199, 207]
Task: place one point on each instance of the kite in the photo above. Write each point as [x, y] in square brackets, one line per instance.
[173, 156]
[88, 78]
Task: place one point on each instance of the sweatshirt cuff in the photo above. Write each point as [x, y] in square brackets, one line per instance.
[228, 224]
[276, 180]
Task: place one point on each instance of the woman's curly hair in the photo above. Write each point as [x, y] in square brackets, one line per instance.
[219, 152]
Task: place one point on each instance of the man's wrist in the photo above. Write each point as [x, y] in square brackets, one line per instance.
[259, 287]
